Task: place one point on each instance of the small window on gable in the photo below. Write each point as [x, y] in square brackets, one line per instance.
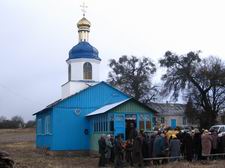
[87, 70]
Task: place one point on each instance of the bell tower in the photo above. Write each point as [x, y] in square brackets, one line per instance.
[83, 62]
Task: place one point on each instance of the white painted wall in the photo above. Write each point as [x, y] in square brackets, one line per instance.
[77, 82]
[77, 68]
[73, 87]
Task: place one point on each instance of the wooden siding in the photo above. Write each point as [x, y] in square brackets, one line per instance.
[132, 107]
[44, 140]
[69, 128]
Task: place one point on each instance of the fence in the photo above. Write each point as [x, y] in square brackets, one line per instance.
[210, 156]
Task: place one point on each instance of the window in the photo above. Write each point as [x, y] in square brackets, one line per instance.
[39, 126]
[69, 72]
[47, 125]
[141, 122]
[111, 123]
[148, 122]
[162, 120]
[87, 70]
[154, 121]
[184, 121]
[222, 129]
[100, 123]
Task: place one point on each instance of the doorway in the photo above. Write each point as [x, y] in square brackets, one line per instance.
[173, 123]
[131, 125]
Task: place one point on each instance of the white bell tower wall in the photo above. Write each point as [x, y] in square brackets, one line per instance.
[76, 81]
[77, 72]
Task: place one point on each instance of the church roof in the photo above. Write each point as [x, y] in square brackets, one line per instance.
[102, 109]
[50, 106]
[106, 108]
[83, 50]
[168, 108]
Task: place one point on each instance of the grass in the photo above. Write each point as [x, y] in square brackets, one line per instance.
[20, 144]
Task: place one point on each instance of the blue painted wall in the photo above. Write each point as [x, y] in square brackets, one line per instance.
[68, 127]
[43, 138]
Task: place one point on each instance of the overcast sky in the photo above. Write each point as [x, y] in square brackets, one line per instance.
[36, 36]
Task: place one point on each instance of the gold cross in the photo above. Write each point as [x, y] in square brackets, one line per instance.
[83, 8]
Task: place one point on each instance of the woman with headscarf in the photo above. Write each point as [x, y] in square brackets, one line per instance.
[206, 143]
[108, 148]
[174, 147]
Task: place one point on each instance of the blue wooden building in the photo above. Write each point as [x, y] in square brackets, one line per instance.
[88, 108]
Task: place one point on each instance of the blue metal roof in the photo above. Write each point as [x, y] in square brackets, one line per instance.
[52, 105]
[83, 50]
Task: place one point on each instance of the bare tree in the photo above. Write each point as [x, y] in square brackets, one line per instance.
[132, 75]
[202, 79]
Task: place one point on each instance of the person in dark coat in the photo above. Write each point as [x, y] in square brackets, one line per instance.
[119, 149]
[108, 149]
[129, 151]
[188, 146]
[197, 145]
[132, 132]
[145, 150]
[150, 148]
[214, 142]
[180, 136]
[113, 149]
[137, 150]
[174, 147]
[221, 144]
[159, 147]
[102, 148]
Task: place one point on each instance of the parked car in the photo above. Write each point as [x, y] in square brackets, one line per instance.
[220, 129]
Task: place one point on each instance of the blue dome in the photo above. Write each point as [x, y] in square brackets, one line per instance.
[83, 50]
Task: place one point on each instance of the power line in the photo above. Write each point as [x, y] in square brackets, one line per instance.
[13, 92]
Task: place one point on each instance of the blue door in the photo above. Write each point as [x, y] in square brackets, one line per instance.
[119, 125]
[173, 123]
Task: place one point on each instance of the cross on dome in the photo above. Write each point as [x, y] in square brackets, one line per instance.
[83, 8]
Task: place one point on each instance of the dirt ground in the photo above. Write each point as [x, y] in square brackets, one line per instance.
[20, 144]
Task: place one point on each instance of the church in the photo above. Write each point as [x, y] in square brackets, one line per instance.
[88, 108]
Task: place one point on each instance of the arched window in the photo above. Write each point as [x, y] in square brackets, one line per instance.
[87, 70]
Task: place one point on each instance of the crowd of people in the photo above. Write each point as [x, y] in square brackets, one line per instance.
[159, 147]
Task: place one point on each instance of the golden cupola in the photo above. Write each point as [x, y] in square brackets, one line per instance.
[83, 26]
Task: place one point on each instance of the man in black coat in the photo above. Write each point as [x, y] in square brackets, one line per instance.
[197, 145]
[188, 146]
[119, 149]
[102, 148]
[137, 152]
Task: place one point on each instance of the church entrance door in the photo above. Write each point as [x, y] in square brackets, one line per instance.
[131, 125]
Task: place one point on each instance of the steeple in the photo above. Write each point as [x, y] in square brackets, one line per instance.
[83, 25]
[83, 29]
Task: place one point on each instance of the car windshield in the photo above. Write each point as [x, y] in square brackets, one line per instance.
[214, 129]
